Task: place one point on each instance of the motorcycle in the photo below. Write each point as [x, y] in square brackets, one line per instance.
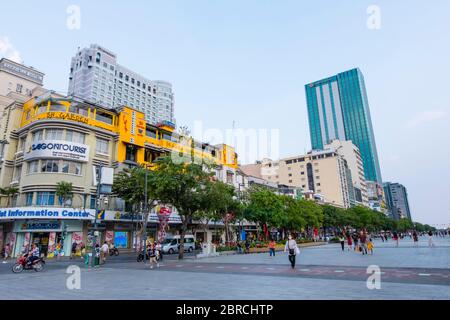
[114, 252]
[140, 257]
[22, 264]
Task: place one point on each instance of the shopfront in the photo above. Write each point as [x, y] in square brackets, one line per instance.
[53, 230]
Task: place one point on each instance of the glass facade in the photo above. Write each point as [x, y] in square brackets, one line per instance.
[338, 108]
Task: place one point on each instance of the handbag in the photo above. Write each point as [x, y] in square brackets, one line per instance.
[291, 251]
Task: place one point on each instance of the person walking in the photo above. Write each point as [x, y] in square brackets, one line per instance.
[415, 239]
[153, 256]
[370, 246]
[6, 252]
[342, 241]
[363, 242]
[292, 249]
[73, 250]
[395, 238]
[355, 241]
[430, 239]
[104, 252]
[247, 246]
[272, 245]
[349, 243]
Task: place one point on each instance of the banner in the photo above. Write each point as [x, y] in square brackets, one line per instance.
[51, 244]
[58, 149]
[77, 237]
[109, 236]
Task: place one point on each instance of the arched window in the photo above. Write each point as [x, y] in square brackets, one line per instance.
[97, 58]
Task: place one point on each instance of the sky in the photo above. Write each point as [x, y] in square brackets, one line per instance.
[244, 63]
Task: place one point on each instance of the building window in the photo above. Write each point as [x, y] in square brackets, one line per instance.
[19, 88]
[57, 108]
[75, 136]
[29, 199]
[130, 153]
[97, 57]
[33, 166]
[102, 146]
[50, 166]
[53, 134]
[290, 174]
[71, 167]
[92, 203]
[45, 198]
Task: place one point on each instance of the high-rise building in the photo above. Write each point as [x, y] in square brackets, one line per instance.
[338, 108]
[397, 200]
[95, 76]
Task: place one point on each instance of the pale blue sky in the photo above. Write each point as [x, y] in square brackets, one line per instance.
[248, 61]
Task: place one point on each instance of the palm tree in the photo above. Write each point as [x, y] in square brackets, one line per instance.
[9, 192]
[64, 191]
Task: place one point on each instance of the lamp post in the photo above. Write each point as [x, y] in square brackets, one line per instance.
[144, 233]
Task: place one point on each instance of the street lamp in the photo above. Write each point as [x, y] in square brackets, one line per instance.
[97, 200]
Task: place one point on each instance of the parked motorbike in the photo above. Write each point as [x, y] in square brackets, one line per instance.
[114, 252]
[140, 257]
[22, 264]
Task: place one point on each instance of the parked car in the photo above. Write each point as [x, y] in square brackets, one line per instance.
[172, 244]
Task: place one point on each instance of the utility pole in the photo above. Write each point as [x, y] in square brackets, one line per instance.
[97, 200]
[144, 233]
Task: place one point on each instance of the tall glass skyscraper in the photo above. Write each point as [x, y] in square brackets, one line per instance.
[338, 109]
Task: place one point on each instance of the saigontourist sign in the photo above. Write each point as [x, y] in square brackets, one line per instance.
[57, 149]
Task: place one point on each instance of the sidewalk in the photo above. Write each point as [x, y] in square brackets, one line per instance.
[278, 248]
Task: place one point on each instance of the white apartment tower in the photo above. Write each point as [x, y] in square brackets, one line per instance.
[95, 76]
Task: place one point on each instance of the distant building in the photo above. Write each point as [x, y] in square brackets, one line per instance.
[397, 200]
[95, 76]
[323, 175]
[19, 79]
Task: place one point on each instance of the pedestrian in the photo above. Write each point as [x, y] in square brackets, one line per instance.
[82, 250]
[342, 241]
[370, 246]
[73, 250]
[6, 252]
[104, 252]
[292, 249]
[247, 246]
[416, 239]
[349, 242]
[363, 241]
[97, 254]
[272, 245]
[395, 238]
[355, 241]
[239, 247]
[159, 251]
[153, 256]
[430, 239]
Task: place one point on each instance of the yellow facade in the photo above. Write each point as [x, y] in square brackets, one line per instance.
[132, 130]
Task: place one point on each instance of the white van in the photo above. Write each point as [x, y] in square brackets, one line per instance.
[172, 244]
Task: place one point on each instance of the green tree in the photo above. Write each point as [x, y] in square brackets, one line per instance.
[64, 191]
[9, 193]
[263, 207]
[186, 187]
[129, 185]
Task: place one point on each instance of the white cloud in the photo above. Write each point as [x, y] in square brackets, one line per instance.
[425, 117]
[8, 51]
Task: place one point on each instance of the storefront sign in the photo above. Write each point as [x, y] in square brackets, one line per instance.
[67, 116]
[35, 226]
[57, 149]
[46, 213]
[153, 217]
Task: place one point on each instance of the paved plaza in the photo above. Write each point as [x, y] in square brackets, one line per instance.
[323, 272]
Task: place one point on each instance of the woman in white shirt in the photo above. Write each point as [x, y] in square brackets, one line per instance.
[292, 249]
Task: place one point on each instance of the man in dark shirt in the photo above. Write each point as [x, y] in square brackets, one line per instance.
[363, 241]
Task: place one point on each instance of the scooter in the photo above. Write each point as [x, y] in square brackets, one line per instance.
[114, 251]
[22, 264]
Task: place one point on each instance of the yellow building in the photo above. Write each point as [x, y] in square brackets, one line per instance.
[51, 138]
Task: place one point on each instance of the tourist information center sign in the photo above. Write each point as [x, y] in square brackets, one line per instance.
[46, 213]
